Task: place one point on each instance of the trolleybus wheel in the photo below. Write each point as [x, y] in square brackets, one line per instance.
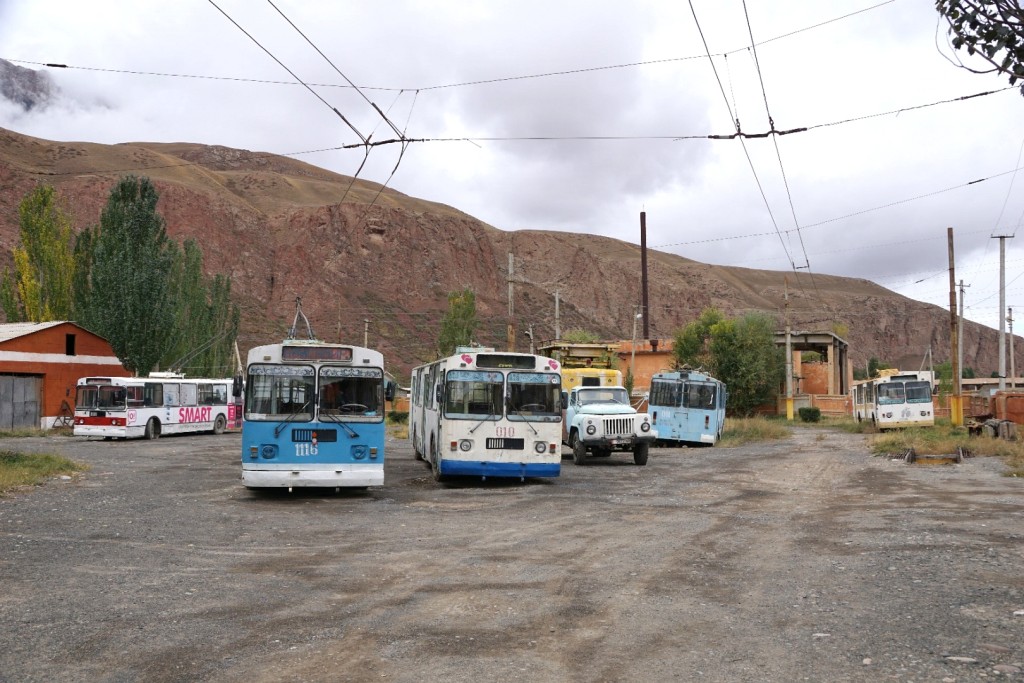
[579, 451]
[435, 462]
[153, 429]
[219, 424]
[640, 453]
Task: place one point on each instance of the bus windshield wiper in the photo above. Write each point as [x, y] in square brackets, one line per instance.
[525, 419]
[336, 419]
[493, 414]
[280, 428]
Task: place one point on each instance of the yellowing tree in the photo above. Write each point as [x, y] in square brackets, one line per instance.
[40, 287]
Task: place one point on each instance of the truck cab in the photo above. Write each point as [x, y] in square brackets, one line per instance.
[600, 420]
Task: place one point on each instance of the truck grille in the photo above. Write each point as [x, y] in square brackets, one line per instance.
[618, 426]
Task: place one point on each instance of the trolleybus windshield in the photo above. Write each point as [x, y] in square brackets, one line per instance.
[473, 393]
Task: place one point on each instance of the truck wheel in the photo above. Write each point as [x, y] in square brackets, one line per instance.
[640, 453]
[579, 451]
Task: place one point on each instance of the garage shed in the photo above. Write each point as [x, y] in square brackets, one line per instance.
[39, 366]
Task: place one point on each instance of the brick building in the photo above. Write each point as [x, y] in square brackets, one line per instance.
[39, 366]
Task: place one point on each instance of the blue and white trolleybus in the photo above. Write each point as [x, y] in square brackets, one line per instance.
[314, 416]
[488, 414]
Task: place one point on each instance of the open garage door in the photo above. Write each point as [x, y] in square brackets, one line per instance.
[19, 401]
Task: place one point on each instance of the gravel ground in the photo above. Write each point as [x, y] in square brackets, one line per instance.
[800, 560]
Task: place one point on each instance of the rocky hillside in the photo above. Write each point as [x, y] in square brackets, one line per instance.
[284, 229]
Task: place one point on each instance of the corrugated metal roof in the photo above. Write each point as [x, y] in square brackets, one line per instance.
[10, 331]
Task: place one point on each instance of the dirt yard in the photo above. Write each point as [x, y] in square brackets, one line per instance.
[801, 560]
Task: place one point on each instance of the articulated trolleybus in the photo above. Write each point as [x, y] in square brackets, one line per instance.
[687, 408]
[900, 400]
[488, 414]
[314, 416]
[163, 403]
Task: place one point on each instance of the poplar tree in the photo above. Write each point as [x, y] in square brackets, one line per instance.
[40, 288]
[129, 301]
[459, 323]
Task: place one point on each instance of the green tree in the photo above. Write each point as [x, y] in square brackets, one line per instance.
[992, 30]
[129, 300]
[40, 287]
[459, 322]
[205, 320]
[691, 345]
[874, 365]
[746, 357]
[81, 287]
[581, 337]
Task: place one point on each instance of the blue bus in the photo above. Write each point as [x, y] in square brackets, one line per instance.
[314, 416]
[687, 408]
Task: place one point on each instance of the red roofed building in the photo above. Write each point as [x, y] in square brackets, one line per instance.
[39, 366]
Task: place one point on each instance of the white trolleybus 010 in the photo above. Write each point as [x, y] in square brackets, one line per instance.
[314, 416]
[687, 408]
[486, 414]
[163, 403]
[903, 399]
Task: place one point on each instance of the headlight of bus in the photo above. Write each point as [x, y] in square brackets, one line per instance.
[540, 447]
[465, 445]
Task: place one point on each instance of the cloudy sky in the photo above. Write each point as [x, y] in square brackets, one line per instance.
[577, 116]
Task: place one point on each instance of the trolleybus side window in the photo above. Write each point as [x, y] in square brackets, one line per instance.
[471, 393]
[188, 395]
[152, 394]
[534, 393]
[213, 394]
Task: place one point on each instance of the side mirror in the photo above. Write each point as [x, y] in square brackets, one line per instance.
[236, 386]
[565, 400]
[389, 391]
[438, 393]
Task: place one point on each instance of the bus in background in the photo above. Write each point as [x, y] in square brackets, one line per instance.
[486, 414]
[900, 399]
[163, 403]
[687, 408]
[314, 416]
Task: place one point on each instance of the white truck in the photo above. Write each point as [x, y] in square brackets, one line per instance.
[601, 420]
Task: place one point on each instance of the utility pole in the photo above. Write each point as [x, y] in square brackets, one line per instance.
[789, 355]
[956, 406]
[511, 309]
[1013, 370]
[366, 332]
[529, 333]
[632, 348]
[1002, 309]
[558, 328]
[643, 274]
[960, 330]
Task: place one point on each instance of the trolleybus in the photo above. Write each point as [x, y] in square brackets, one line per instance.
[899, 400]
[687, 408]
[488, 414]
[314, 416]
[163, 403]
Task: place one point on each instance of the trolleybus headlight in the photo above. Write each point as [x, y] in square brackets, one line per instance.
[924, 413]
[268, 450]
[465, 445]
[645, 426]
[540, 446]
[887, 415]
[591, 429]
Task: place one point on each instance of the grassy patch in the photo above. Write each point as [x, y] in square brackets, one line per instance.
[30, 469]
[25, 432]
[944, 439]
[743, 430]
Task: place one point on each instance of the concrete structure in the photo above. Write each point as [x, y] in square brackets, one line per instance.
[823, 384]
[39, 366]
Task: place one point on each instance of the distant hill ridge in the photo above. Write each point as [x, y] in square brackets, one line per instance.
[275, 225]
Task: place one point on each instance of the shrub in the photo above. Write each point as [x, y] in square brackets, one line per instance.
[398, 417]
[810, 414]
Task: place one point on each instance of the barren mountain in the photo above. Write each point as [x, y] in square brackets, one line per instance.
[374, 262]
